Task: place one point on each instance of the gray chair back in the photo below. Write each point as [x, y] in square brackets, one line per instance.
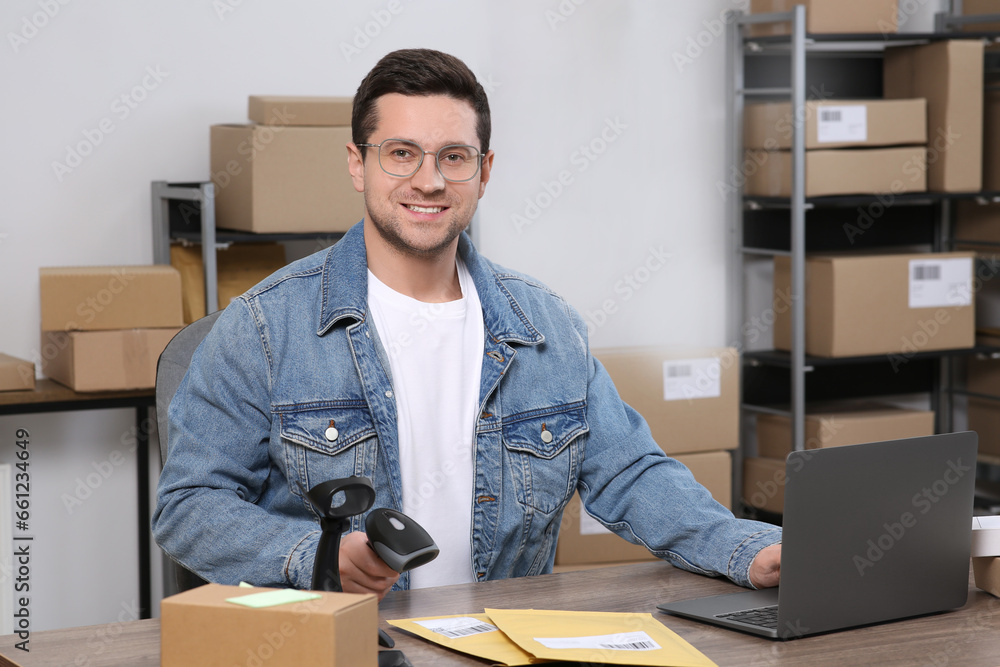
[170, 370]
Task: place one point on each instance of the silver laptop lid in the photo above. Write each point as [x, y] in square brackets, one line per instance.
[876, 532]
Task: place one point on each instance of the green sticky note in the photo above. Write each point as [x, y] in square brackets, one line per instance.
[273, 598]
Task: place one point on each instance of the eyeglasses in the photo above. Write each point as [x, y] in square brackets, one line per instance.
[456, 163]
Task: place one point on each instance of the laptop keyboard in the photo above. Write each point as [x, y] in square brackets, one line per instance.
[764, 617]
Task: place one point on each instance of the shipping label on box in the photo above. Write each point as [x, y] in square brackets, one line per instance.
[938, 283]
[692, 378]
[842, 123]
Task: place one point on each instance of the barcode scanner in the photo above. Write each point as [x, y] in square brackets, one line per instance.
[399, 540]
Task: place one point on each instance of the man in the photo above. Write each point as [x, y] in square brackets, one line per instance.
[465, 391]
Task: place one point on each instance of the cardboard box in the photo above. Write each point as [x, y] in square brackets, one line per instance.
[979, 7]
[238, 268]
[199, 627]
[983, 377]
[844, 171]
[283, 179]
[16, 374]
[986, 570]
[837, 123]
[688, 396]
[991, 141]
[860, 305]
[977, 222]
[984, 419]
[300, 111]
[831, 16]
[104, 360]
[837, 424]
[582, 539]
[95, 298]
[764, 483]
[949, 75]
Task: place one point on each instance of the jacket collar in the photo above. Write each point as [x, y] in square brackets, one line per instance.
[345, 290]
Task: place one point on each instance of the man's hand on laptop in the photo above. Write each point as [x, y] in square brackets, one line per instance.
[765, 570]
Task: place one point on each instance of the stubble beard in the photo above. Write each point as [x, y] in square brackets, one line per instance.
[390, 230]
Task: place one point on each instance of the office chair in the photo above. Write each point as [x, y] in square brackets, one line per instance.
[170, 369]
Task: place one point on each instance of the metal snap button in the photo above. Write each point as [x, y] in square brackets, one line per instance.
[331, 432]
[388, 394]
[546, 435]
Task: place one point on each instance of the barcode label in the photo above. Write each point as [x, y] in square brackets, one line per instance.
[921, 272]
[455, 628]
[623, 641]
[686, 379]
[937, 283]
[842, 123]
[634, 646]
[678, 371]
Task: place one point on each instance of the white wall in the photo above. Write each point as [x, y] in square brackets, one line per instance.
[562, 74]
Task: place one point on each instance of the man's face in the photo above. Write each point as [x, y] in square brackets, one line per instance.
[421, 214]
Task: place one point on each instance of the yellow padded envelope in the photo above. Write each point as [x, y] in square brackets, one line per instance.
[586, 636]
[469, 633]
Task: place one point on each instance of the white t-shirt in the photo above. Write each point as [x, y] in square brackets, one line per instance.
[435, 353]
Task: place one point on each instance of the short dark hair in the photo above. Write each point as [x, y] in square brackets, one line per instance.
[418, 72]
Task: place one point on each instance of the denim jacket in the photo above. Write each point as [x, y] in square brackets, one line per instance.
[299, 353]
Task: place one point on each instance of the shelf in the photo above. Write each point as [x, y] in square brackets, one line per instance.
[226, 236]
[874, 39]
[782, 359]
[850, 201]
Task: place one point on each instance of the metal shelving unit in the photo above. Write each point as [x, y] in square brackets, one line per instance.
[185, 212]
[757, 68]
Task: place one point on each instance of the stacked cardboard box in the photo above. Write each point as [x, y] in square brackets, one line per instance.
[983, 377]
[826, 425]
[690, 399]
[991, 139]
[949, 75]
[16, 374]
[103, 328]
[853, 147]
[286, 171]
[238, 268]
[831, 16]
[899, 304]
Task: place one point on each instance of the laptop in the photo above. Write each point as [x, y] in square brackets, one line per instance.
[871, 533]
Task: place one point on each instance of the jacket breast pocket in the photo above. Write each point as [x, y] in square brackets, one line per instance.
[544, 454]
[326, 442]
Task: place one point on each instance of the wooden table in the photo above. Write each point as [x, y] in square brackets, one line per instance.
[969, 636]
[49, 396]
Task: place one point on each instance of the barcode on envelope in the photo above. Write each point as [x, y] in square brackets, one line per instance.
[927, 272]
[466, 632]
[632, 646]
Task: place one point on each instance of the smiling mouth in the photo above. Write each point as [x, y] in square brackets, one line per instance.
[425, 209]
